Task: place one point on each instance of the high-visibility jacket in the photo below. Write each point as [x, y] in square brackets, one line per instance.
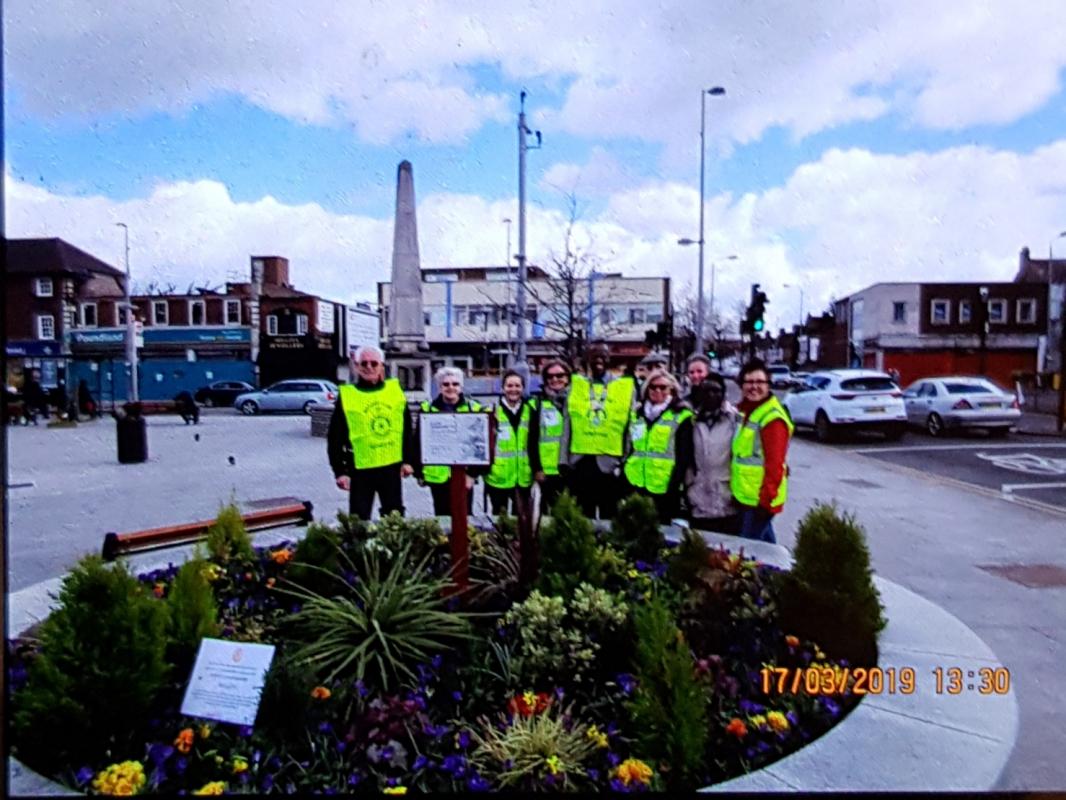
[375, 423]
[441, 474]
[598, 415]
[552, 431]
[749, 465]
[654, 456]
[510, 464]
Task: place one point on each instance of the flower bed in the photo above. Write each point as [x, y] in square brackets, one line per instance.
[629, 665]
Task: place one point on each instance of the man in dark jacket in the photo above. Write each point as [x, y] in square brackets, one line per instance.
[371, 443]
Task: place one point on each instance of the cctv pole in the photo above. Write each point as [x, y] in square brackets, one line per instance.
[133, 395]
[522, 366]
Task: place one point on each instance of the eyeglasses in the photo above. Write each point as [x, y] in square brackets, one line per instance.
[755, 383]
[658, 387]
[450, 383]
[553, 376]
[369, 363]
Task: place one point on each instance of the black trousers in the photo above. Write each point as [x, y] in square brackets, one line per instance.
[594, 490]
[729, 524]
[550, 488]
[503, 500]
[382, 481]
[442, 499]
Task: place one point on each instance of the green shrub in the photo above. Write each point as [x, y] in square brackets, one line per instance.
[669, 708]
[829, 595]
[315, 563]
[393, 532]
[286, 698]
[688, 559]
[352, 528]
[193, 611]
[100, 665]
[569, 554]
[635, 528]
[390, 620]
[228, 538]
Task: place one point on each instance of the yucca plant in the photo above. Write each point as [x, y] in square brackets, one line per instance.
[390, 617]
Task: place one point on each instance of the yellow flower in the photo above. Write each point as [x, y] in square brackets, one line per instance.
[778, 721]
[212, 572]
[394, 790]
[215, 787]
[219, 760]
[632, 574]
[555, 766]
[122, 779]
[204, 731]
[633, 770]
[321, 693]
[758, 721]
[239, 765]
[597, 736]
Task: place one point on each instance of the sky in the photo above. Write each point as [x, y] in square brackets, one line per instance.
[857, 141]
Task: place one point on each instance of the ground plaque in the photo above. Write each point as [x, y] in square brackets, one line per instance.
[227, 680]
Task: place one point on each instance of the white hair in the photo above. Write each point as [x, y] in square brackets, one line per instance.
[448, 372]
[367, 349]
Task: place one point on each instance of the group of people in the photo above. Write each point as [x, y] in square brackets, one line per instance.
[35, 401]
[599, 435]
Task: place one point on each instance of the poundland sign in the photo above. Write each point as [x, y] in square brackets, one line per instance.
[159, 335]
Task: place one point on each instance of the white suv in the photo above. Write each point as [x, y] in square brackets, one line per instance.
[858, 399]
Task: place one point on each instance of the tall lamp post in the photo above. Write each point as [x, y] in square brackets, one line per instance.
[131, 331]
[699, 299]
[801, 317]
[714, 91]
[508, 310]
[520, 291]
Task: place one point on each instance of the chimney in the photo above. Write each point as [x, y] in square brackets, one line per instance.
[275, 270]
[1023, 260]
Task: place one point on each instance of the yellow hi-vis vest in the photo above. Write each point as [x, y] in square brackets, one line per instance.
[749, 465]
[441, 474]
[598, 415]
[654, 455]
[510, 464]
[552, 426]
[375, 423]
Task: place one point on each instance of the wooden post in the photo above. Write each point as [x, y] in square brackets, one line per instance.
[527, 542]
[460, 538]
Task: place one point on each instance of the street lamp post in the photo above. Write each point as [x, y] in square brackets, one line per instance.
[699, 301]
[716, 91]
[131, 331]
[508, 310]
[802, 320]
[520, 291]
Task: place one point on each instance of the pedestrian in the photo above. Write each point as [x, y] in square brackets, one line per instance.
[510, 478]
[697, 368]
[660, 444]
[86, 404]
[710, 500]
[34, 398]
[549, 459]
[451, 399]
[370, 441]
[651, 361]
[759, 473]
[598, 405]
[186, 406]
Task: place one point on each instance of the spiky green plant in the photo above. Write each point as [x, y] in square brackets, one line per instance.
[228, 537]
[389, 620]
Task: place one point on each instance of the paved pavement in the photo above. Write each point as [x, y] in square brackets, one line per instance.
[997, 566]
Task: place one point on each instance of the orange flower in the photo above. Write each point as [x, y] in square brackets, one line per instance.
[527, 704]
[184, 741]
[321, 693]
[736, 727]
[792, 641]
[281, 556]
[270, 583]
[159, 589]
[633, 770]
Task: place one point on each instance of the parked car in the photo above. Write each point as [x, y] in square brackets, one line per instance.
[296, 394]
[799, 379]
[944, 403]
[854, 399]
[780, 375]
[221, 393]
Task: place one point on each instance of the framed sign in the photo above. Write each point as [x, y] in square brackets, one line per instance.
[227, 680]
[450, 439]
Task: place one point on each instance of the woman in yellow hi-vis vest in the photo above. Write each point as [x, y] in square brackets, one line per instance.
[511, 475]
[451, 398]
[549, 459]
[660, 444]
[759, 475]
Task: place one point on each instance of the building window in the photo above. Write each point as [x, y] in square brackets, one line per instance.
[997, 311]
[899, 312]
[653, 313]
[940, 312]
[1025, 311]
[272, 325]
[233, 312]
[46, 326]
[44, 287]
[88, 315]
[965, 311]
[636, 316]
[197, 312]
[160, 314]
[301, 324]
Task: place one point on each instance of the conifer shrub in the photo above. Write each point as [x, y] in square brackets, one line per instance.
[286, 698]
[569, 553]
[100, 665]
[829, 595]
[315, 562]
[669, 707]
[394, 532]
[193, 611]
[228, 538]
[635, 528]
[688, 559]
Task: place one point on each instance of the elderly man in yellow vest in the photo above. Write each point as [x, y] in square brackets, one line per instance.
[371, 439]
[598, 407]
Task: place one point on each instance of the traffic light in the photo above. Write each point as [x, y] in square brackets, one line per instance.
[756, 318]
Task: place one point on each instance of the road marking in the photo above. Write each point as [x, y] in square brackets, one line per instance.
[22, 485]
[1007, 488]
[919, 448]
[1028, 463]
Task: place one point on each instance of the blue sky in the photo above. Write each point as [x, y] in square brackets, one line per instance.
[854, 145]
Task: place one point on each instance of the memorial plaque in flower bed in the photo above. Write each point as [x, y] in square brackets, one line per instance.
[227, 680]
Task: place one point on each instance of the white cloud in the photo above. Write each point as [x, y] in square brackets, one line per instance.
[602, 174]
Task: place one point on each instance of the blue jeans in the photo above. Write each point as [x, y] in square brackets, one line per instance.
[758, 524]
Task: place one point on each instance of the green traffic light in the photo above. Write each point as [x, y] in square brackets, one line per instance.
[759, 325]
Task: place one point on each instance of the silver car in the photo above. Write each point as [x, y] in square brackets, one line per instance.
[940, 404]
[295, 394]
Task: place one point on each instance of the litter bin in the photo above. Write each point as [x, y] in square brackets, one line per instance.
[132, 435]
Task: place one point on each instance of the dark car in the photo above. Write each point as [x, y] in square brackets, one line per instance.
[222, 393]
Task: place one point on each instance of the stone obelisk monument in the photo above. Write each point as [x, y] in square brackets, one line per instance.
[406, 340]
